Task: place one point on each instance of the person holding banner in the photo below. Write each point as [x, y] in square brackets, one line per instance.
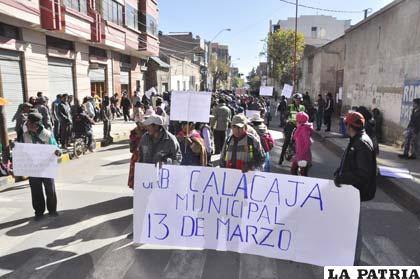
[192, 146]
[358, 165]
[33, 132]
[242, 150]
[293, 109]
[158, 146]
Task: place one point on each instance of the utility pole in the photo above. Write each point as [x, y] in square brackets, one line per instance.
[295, 52]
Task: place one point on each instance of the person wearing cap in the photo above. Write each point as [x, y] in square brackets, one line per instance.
[64, 115]
[358, 165]
[302, 137]
[158, 146]
[33, 132]
[45, 112]
[242, 150]
[221, 121]
[265, 137]
[413, 133]
[292, 111]
[328, 112]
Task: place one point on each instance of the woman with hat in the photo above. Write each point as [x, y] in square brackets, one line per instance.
[265, 137]
[302, 138]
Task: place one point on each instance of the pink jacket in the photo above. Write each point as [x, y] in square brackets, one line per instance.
[302, 137]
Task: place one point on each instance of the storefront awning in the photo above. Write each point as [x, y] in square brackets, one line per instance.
[160, 62]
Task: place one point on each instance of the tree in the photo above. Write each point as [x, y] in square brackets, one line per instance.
[280, 48]
[219, 70]
[254, 80]
[237, 82]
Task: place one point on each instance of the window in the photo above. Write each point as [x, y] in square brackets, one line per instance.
[314, 32]
[149, 24]
[131, 17]
[78, 5]
[59, 43]
[9, 31]
[112, 11]
[97, 52]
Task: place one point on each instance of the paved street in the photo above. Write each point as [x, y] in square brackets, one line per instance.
[88, 239]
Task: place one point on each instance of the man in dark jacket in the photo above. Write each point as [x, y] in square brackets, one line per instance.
[64, 114]
[126, 106]
[358, 165]
[282, 109]
[44, 110]
[329, 110]
[413, 133]
[158, 146]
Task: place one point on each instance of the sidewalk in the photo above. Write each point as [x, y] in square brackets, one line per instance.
[120, 131]
[406, 191]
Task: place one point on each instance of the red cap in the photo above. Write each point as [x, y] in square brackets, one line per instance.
[355, 119]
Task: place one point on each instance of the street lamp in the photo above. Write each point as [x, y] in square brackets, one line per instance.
[210, 49]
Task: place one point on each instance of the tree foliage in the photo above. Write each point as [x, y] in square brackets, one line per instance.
[219, 70]
[237, 82]
[280, 48]
[254, 80]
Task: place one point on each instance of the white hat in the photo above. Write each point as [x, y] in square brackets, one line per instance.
[256, 118]
[153, 119]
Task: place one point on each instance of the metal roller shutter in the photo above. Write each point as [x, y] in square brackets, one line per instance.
[97, 75]
[60, 76]
[124, 77]
[11, 76]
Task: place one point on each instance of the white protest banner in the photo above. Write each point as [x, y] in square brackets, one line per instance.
[190, 106]
[266, 90]
[250, 113]
[287, 91]
[35, 160]
[286, 217]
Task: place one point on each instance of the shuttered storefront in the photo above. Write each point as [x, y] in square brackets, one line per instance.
[60, 76]
[11, 76]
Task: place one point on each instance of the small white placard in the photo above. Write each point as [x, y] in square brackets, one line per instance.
[35, 160]
[287, 91]
[266, 91]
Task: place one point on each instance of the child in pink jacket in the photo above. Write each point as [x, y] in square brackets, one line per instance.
[302, 138]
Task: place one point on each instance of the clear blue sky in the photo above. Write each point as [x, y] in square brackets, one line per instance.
[248, 19]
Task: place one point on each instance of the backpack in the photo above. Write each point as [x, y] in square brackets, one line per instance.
[267, 142]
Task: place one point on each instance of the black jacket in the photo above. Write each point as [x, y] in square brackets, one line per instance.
[415, 121]
[358, 166]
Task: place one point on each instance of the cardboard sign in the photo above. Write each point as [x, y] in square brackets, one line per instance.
[287, 91]
[190, 106]
[279, 216]
[250, 113]
[266, 90]
[35, 160]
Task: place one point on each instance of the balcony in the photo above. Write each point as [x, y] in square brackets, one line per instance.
[74, 21]
[149, 39]
[23, 10]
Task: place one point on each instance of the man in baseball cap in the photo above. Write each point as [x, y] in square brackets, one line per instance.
[242, 150]
[34, 133]
[158, 146]
[358, 164]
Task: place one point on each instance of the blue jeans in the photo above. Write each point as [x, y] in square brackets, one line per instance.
[410, 142]
[319, 118]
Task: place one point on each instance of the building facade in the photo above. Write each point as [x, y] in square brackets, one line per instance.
[376, 65]
[318, 29]
[81, 48]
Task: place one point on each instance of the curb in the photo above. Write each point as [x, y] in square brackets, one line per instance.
[395, 189]
[9, 180]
